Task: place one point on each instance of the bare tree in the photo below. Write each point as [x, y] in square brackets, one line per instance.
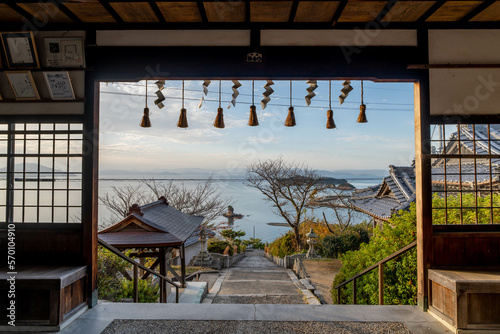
[203, 200]
[120, 199]
[287, 186]
[343, 211]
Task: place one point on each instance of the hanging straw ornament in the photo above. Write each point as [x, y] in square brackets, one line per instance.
[290, 119]
[236, 85]
[219, 120]
[252, 120]
[346, 89]
[183, 122]
[313, 84]
[267, 94]
[362, 108]
[146, 122]
[330, 124]
[205, 85]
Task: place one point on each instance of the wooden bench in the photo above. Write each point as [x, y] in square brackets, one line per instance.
[466, 299]
[45, 295]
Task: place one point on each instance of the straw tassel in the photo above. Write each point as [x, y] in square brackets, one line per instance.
[253, 121]
[290, 119]
[146, 122]
[330, 124]
[362, 114]
[219, 120]
[183, 122]
[362, 108]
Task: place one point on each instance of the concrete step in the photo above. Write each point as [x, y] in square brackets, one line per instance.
[192, 294]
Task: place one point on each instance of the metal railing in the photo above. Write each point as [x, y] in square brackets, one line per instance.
[163, 279]
[380, 266]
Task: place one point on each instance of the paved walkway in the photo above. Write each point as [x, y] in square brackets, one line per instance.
[256, 280]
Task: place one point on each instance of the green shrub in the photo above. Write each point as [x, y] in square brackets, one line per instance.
[256, 243]
[351, 239]
[148, 292]
[218, 246]
[400, 274]
[284, 245]
[109, 277]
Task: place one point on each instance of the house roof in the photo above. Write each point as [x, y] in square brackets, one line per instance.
[395, 193]
[398, 189]
[152, 225]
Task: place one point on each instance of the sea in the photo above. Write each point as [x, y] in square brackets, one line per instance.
[249, 202]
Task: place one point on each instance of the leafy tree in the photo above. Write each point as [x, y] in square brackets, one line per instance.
[287, 186]
[350, 239]
[255, 242]
[400, 275]
[232, 235]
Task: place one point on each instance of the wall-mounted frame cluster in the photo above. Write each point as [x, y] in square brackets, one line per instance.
[30, 72]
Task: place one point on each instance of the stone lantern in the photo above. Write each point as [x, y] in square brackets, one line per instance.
[312, 239]
[204, 257]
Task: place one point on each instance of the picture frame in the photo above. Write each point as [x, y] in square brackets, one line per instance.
[23, 85]
[59, 85]
[60, 52]
[20, 50]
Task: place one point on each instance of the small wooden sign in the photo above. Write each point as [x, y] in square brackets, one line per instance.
[64, 52]
[20, 50]
[23, 85]
[59, 84]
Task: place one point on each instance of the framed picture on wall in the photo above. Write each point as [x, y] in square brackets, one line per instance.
[23, 85]
[59, 84]
[64, 52]
[20, 50]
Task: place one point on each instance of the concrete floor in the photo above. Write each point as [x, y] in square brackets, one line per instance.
[94, 321]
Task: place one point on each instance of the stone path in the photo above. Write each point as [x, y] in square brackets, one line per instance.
[256, 280]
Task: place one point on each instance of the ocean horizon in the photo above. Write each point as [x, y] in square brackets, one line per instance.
[249, 202]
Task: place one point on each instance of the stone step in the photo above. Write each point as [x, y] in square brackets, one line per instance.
[192, 294]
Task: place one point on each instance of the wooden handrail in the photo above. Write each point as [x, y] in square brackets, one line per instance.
[380, 265]
[136, 266]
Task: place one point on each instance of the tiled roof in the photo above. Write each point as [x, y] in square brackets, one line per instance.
[170, 227]
[377, 203]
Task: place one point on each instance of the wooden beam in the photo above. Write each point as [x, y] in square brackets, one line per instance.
[203, 12]
[385, 10]
[431, 11]
[338, 12]
[112, 12]
[157, 11]
[153, 267]
[477, 10]
[293, 11]
[21, 12]
[429, 66]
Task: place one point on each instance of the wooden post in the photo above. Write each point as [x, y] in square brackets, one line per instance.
[338, 295]
[423, 188]
[381, 284]
[136, 283]
[354, 291]
[183, 266]
[90, 183]
[163, 271]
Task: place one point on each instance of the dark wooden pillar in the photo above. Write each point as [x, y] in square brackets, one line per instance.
[90, 179]
[423, 189]
[163, 271]
[183, 265]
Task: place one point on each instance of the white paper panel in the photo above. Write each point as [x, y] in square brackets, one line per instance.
[465, 91]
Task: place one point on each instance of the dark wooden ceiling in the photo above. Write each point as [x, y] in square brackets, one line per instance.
[287, 13]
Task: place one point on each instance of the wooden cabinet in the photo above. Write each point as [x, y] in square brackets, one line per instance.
[465, 299]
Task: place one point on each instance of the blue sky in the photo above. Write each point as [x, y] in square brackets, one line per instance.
[387, 138]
